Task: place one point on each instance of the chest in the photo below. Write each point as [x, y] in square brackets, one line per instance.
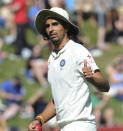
[61, 68]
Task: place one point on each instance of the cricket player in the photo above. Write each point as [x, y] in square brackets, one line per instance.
[70, 68]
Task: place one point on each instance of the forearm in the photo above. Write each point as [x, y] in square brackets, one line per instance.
[100, 82]
[96, 78]
[48, 112]
[5, 95]
[19, 97]
[101, 105]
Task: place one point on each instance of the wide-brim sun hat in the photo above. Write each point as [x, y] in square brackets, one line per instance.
[57, 13]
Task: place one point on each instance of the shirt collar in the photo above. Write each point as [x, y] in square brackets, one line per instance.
[62, 50]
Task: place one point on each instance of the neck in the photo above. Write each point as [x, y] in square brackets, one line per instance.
[62, 43]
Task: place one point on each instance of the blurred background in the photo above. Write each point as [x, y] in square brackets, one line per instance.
[24, 89]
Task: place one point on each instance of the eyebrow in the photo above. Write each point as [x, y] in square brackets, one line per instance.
[53, 23]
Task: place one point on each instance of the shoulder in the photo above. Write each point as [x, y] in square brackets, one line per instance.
[5, 84]
[78, 49]
[77, 45]
[51, 57]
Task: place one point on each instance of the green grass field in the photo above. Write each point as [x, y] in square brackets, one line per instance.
[9, 68]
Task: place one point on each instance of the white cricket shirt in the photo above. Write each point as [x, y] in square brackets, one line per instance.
[70, 90]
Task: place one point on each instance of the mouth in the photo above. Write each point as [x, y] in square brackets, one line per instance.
[52, 36]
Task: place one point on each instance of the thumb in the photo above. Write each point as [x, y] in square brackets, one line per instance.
[85, 63]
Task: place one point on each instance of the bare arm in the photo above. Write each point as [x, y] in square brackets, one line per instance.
[96, 78]
[49, 111]
[16, 7]
[100, 82]
[47, 114]
[11, 96]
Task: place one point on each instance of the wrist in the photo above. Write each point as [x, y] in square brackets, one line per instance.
[40, 119]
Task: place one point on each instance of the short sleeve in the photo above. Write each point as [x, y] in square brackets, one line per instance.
[83, 54]
[4, 86]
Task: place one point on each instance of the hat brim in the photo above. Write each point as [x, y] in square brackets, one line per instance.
[44, 14]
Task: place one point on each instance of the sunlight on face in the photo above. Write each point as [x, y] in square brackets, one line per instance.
[55, 30]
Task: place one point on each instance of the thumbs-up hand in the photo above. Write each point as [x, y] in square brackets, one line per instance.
[87, 71]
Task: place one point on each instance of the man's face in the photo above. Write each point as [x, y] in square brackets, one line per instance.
[55, 31]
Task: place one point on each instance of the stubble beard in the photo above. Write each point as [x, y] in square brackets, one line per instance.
[56, 43]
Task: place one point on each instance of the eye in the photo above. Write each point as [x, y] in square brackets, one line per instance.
[47, 25]
[55, 23]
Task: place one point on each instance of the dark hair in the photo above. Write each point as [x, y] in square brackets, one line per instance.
[18, 84]
[66, 25]
[70, 33]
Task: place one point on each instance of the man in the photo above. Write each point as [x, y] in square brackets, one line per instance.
[13, 93]
[19, 8]
[71, 66]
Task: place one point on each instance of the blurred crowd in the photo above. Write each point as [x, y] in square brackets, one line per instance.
[17, 18]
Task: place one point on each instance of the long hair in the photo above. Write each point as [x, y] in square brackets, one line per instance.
[71, 34]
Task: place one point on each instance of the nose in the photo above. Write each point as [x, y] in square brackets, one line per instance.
[50, 28]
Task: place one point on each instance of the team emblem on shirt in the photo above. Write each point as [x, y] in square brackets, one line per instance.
[62, 62]
[89, 58]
